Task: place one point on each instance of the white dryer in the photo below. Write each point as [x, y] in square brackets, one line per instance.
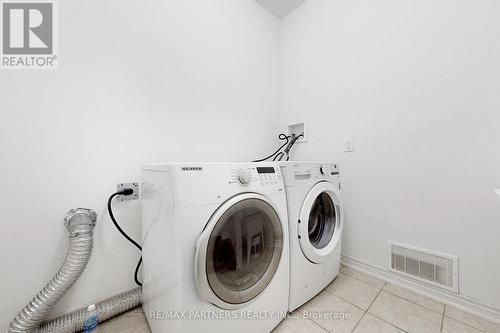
[316, 221]
[215, 247]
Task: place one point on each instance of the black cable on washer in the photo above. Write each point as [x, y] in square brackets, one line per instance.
[110, 211]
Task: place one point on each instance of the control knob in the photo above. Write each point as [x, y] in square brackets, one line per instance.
[244, 177]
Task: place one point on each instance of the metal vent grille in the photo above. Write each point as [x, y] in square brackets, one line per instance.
[427, 266]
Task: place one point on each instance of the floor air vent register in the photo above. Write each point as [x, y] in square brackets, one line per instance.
[427, 266]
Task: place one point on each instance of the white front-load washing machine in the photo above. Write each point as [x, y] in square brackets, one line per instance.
[215, 247]
[316, 221]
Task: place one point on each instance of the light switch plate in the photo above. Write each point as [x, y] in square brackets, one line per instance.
[349, 145]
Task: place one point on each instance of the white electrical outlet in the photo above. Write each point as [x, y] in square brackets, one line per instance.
[134, 196]
[497, 191]
[349, 145]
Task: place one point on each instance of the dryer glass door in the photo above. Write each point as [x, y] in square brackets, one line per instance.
[244, 242]
[320, 223]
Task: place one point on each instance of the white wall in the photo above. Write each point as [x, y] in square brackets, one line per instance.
[417, 85]
[137, 82]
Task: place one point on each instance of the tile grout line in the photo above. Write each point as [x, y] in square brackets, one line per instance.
[365, 311]
[376, 296]
[388, 323]
[332, 294]
[494, 323]
[461, 322]
[354, 328]
[465, 324]
[382, 289]
[317, 324]
[355, 278]
[386, 283]
[385, 321]
[363, 282]
[323, 328]
[409, 300]
[421, 306]
[442, 319]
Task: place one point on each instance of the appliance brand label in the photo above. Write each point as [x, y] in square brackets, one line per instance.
[191, 169]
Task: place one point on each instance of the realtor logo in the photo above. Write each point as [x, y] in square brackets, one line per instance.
[28, 35]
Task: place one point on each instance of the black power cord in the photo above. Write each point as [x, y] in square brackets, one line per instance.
[278, 155]
[125, 192]
[277, 152]
[290, 145]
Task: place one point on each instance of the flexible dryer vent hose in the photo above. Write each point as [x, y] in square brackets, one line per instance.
[80, 224]
[73, 322]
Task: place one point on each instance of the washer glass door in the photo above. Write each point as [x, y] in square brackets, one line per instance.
[243, 245]
[320, 223]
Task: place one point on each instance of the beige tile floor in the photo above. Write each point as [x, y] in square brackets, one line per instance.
[370, 306]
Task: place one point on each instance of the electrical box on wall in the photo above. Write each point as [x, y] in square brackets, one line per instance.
[349, 145]
[298, 129]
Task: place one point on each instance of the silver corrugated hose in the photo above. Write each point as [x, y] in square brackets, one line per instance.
[73, 322]
[80, 224]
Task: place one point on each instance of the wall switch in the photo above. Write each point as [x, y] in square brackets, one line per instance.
[298, 129]
[497, 191]
[349, 145]
[134, 196]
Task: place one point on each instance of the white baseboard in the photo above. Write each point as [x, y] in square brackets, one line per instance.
[461, 302]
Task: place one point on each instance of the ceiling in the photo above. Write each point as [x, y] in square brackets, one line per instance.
[280, 8]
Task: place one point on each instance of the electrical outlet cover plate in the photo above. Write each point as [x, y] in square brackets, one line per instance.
[298, 129]
[133, 196]
[349, 145]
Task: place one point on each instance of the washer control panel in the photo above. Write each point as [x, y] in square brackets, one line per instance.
[296, 173]
[264, 175]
